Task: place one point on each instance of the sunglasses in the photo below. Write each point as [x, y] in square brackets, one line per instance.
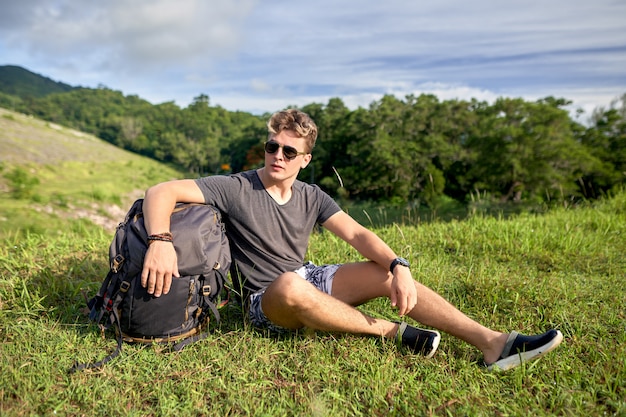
[289, 151]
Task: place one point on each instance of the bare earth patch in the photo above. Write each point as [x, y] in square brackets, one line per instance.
[113, 214]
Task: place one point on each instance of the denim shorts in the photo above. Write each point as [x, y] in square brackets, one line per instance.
[320, 276]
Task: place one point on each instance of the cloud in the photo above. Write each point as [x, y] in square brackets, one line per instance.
[259, 56]
[126, 36]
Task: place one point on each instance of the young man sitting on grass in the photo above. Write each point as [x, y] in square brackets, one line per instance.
[269, 216]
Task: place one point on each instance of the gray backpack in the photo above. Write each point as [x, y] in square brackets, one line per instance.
[181, 315]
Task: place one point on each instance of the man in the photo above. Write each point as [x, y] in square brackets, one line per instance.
[269, 216]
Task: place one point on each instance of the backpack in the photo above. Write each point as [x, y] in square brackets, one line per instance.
[182, 314]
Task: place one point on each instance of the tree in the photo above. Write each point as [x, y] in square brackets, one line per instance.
[527, 150]
[605, 139]
[331, 149]
[376, 168]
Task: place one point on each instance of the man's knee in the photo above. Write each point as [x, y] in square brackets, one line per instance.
[288, 289]
[285, 300]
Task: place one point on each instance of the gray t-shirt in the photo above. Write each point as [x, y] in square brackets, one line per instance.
[266, 238]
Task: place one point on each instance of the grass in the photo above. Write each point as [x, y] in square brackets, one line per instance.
[562, 269]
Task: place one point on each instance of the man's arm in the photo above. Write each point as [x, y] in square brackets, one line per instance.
[160, 263]
[367, 243]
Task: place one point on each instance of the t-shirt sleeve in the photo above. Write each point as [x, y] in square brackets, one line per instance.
[328, 206]
[216, 190]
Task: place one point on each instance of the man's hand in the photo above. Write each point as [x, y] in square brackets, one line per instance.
[159, 265]
[403, 290]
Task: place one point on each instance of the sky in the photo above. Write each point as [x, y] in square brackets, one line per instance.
[262, 56]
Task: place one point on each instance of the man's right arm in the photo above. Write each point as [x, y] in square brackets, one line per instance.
[160, 263]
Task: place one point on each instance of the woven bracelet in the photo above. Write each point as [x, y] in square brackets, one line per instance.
[161, 237]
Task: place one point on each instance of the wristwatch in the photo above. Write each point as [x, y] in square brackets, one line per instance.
[399, 261]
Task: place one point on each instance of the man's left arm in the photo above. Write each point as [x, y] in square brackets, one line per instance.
[367, 243]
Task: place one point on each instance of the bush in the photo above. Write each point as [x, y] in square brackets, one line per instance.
[21, 182]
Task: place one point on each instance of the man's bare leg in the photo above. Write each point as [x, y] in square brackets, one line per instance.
[431, 309]
[292, 302]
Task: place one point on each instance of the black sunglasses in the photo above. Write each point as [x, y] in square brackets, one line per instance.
[289, 151]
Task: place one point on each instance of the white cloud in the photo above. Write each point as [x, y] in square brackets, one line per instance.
[120, 35]
[260, 56]
[260, 86]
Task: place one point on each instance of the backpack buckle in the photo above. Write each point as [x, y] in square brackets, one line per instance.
[116, 263]
[206, 290]
[124, 286]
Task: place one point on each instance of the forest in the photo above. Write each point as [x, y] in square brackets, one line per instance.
[415, 150]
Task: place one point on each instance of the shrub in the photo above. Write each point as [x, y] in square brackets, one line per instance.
[21, 182]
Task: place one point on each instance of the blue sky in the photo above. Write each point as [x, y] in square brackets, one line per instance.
[261, 56]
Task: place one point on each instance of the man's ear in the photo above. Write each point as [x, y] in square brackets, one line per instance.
[305, 160]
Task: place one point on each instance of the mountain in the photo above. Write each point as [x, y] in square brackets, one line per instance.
[18, 81]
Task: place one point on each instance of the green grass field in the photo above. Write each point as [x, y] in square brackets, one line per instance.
[528, 272]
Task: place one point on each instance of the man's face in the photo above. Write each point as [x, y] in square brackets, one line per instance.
[280, 167]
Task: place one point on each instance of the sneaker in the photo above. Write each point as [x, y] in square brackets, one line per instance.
[520, 348]
[420, 341]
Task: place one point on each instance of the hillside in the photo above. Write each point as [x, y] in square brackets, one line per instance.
[51, 176]
[25, 139]
[21, 82]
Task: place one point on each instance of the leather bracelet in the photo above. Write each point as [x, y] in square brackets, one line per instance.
[160, 237]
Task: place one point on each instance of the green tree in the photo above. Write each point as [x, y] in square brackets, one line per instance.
[330, 152]
[527, 150]
[376, 168]
[605, 139]
[415, 149]
[244, 150]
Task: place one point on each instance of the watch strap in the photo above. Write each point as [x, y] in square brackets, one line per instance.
[398, 261]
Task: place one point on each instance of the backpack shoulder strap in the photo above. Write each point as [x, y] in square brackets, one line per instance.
[113, 320]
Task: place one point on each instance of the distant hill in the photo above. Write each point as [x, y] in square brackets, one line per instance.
[18, 81]
[71, 175]
[28, 140]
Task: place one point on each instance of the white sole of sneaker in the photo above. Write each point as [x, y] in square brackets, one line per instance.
[516, 360]
[435, 346]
